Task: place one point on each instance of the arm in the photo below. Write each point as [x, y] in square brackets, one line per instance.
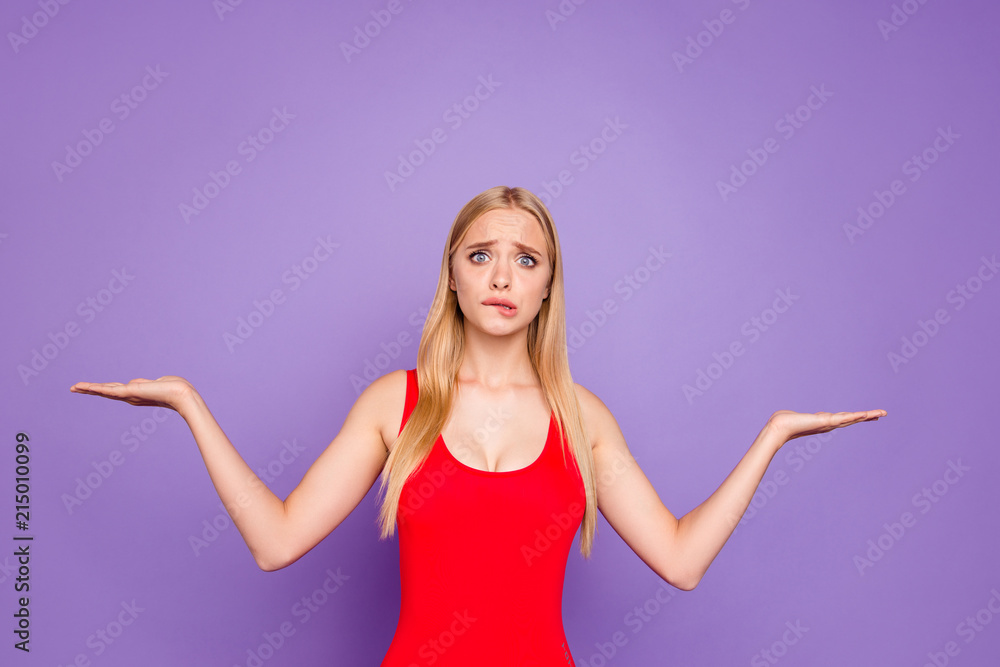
[702, 532]
[681, 550]
[278, 532]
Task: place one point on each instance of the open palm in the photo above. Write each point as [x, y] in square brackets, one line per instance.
[165, 392]
[788, 425]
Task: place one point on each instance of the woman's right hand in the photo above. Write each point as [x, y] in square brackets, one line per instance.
[169, 391]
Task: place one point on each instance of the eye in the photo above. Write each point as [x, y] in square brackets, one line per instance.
[532, 259]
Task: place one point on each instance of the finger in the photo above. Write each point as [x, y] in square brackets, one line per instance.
[848, 418]
[842, 419]
[108, 389]
[86, 385]
[83, 386]
[867, 415]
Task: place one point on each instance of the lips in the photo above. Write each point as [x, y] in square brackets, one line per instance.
[508, 307]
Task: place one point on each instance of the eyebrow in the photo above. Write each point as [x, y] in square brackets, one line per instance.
[490, 244]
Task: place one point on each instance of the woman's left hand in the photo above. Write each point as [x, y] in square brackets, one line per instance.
[787, 425]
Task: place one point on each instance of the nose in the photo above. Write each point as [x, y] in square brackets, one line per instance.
[501, 276]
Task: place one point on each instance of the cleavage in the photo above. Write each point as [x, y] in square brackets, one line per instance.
[494, 440]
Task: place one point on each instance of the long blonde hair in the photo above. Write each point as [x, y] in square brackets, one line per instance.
[442, 346]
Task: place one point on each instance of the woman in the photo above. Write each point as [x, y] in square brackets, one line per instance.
[486, 513]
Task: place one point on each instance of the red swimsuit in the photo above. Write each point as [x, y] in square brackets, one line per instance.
[482, 558]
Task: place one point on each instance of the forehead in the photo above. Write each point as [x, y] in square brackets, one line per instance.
[507, 224]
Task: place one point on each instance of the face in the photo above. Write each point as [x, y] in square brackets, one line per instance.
[501, 259]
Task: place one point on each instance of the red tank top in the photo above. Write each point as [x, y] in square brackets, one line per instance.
[482, 559]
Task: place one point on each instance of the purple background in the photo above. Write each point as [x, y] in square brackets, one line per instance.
[682, 128]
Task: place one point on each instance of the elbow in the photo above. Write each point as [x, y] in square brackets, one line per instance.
[272, 562]
[269, 566]
[682, 583]
[681, 572]
[676, 572]
[690, 579]
[685, 581]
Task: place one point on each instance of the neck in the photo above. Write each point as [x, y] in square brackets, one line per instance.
[496, 362]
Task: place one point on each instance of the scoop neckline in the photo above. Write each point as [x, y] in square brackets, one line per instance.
[503, 473]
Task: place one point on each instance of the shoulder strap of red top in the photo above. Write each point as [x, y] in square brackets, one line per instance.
[411, 396]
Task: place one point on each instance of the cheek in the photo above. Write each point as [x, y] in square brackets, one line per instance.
[543, 285]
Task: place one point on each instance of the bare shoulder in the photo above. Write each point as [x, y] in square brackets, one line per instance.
[597, 418]
[383, 402]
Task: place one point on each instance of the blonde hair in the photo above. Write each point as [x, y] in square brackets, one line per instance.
[441, 351]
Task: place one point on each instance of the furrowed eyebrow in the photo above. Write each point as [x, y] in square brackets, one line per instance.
[490, 244]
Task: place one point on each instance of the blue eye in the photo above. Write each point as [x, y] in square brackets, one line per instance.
[534, 261]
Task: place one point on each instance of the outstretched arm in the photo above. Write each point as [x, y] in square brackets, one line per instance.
[277, 532]
[681, 550]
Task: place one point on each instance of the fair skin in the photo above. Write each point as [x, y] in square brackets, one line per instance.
[503, 256]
